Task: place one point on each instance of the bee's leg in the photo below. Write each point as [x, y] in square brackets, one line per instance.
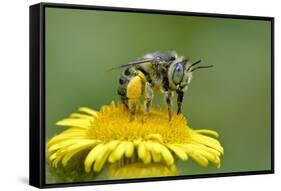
[168, 98]
[148, 98]
[134, 92]
[179, 100]
[125, 101]
[133, 103]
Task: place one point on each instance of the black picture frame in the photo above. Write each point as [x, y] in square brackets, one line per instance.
[37, 93]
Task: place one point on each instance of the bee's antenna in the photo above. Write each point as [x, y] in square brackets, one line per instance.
[200, 67]
[195, 63]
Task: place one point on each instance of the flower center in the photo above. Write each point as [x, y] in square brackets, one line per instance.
[113, 122]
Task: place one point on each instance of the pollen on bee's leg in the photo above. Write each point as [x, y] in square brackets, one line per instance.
[134, 88]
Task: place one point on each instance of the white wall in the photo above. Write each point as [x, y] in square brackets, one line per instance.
[14, 44]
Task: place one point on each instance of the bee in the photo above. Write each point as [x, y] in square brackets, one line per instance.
[165, 72]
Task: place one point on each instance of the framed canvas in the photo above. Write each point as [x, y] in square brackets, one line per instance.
[123, 95]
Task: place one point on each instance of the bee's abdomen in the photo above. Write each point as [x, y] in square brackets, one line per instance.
[123, 82]
[124, 79]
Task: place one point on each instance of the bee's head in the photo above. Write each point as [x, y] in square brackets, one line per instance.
[180, 72]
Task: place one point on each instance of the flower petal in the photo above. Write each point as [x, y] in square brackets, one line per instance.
[62, 138]
[165, 153]
[91, 157]
[104, 154]
[82, 116]
[99, 154]
[56, 161]
[209, 149]
[129, 151]
[88, 111]
[211, 142]
[74, 149]
[83, 123]
[117, 152]
[53, 156]
[142, 152]
[192, 152]
[209, 155]
[178, 151]
[156, 156]
[207, 131]
[102, 158]
[201, 160]
[62, 144]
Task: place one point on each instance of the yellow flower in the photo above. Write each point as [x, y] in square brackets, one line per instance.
[138, 148]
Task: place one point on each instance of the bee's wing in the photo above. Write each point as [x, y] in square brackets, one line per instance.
[132, 63]
[136, 62]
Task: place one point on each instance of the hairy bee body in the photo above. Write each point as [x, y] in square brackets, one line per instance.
[160, 71]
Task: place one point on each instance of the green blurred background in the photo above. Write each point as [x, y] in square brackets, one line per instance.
[232, 98]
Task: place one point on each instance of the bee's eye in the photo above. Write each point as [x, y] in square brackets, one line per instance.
[178, 74]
